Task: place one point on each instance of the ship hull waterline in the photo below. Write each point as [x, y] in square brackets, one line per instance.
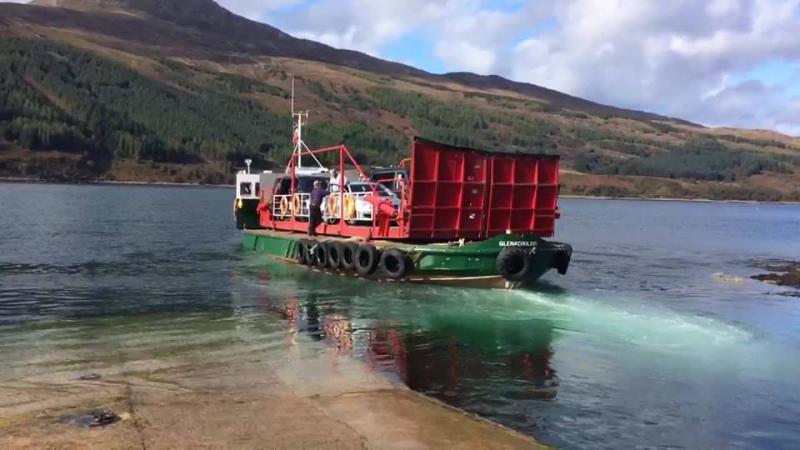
[465, 264]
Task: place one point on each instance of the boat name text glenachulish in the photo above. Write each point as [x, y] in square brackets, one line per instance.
[518, 243]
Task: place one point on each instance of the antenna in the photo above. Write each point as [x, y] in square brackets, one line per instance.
[297, 135]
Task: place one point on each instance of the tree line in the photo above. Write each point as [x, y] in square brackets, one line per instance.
[56, 97]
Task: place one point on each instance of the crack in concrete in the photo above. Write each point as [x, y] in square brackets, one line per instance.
[134, 419]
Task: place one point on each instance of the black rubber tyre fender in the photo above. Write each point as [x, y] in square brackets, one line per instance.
[321, 255]
[513, 263]
[563, 258]
[366, 259]
[348, 259]
[395, 263]
[302, 249]
[335, 255]
[308, 253]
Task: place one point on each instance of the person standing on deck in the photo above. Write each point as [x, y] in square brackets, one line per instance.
[315, 203]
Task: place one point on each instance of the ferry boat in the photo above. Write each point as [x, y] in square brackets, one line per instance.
[446, 214]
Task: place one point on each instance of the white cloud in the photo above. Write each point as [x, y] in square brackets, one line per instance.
[255, 9]
[787, 118]
[368, 25]
[468, 40]
[674, 57]
[466, 56]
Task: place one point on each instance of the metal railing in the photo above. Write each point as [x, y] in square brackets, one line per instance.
[363, 209]
[277, 211]
[362, 213]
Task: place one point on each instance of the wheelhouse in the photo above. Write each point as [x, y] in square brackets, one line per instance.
[248, 186]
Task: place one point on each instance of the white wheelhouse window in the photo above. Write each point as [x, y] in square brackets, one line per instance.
[245, 189]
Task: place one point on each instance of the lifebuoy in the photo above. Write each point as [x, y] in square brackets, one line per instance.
[296, 205]
[349, 208]
[284, 206]
[513, 263]
[333, 206]
[366, 259]
[348, 259]
[395, 264]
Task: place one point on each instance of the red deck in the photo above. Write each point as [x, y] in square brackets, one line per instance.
[456, 193]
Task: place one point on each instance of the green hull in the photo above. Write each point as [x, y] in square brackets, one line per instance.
[437, 263]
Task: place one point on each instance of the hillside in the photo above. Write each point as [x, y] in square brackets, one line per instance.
[184, 90]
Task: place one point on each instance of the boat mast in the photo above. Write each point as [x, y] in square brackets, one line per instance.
[297, 136]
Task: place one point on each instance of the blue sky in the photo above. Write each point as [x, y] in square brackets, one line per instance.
[716, 62]
[774, 72]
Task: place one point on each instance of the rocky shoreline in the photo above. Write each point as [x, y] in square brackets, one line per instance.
[108, 182]
[780, 273]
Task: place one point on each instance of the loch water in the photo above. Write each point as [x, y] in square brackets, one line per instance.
[655, 339]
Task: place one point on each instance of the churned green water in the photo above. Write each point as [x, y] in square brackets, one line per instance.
[650, 341]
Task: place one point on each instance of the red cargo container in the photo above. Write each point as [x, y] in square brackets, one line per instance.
[464, 193]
